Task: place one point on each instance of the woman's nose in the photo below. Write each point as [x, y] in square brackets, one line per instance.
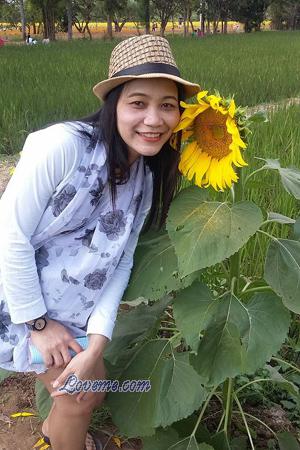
[153, 118]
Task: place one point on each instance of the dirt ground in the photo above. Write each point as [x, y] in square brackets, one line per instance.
[22, 433]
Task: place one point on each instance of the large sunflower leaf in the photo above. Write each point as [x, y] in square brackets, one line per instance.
[205, 233]
[131, 328]
[175, 392]
[282, 271]
[169, 440]
[155, 270]
[238, 338]
[161, 440]
[190, 312]
[190, 443]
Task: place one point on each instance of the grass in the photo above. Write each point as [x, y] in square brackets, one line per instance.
[44, 84]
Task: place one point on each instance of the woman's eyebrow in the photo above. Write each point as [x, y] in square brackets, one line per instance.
[140, 94]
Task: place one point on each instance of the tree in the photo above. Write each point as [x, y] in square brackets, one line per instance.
[164, 10]
[250, 12]
[23, 19]
[82, 15]
[284, 14]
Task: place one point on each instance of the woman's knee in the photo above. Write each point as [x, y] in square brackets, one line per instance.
[67, 404]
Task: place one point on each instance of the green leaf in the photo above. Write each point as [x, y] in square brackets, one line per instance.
[239, 338]
[279, 218]
[287, 441]
[190, 306]
[5, 374]
[296, 234]
[161, 440]
[133, 327]
[43, 399]
[190, 443]
[258, 117]
[284, 383]
[205, 233]
[239, 443]
[169, 440]
[290, 176]
[175, 392]
[220, 441]
[282, 271]
[155, 270]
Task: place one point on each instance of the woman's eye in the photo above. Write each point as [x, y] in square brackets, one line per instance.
[168, 106]
[137, 103]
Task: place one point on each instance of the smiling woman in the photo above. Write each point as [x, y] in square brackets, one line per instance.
[70, 220]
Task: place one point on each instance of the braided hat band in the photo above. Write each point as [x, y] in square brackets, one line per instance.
[143, 56]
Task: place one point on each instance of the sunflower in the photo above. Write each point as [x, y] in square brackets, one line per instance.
[211, 130]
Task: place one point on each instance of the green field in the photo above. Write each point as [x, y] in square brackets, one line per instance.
[42, 84]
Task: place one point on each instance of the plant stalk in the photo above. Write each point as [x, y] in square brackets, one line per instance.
[227, 405]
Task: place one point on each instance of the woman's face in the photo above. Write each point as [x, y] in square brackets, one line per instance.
[147, 113]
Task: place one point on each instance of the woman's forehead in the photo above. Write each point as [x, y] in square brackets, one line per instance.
[151, 87]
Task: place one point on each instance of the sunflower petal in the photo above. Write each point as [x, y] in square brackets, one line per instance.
[232, 108]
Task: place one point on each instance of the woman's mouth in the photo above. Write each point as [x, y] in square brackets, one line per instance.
[150, 136]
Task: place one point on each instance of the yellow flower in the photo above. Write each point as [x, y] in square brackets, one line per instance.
[214, 142]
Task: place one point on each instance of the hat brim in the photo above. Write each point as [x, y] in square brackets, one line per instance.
[104, 87]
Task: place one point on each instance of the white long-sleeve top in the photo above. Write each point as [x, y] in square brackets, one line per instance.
[49, 158]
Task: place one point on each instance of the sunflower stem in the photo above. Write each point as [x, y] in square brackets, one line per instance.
[227, 405]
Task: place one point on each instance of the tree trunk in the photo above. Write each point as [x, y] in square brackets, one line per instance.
[70, 19]
[109, 26]
[23, 20]
[225, 26]
[89, 31]
[146, 4]
[116, 24]
[163, 25]
[34, 27]
[185, 23]
[49, 20]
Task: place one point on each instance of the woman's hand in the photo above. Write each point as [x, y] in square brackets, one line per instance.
[84, 366]
[53, 343]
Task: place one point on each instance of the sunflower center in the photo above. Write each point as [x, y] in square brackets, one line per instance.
[212, 135]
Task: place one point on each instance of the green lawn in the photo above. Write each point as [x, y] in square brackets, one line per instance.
[43, 84]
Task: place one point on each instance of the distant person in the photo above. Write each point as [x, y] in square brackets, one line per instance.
[70, 219]
[29, 40]
[2, 42]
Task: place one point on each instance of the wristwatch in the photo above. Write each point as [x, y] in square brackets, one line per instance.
[37, 324]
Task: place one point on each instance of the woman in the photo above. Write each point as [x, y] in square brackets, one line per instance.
[70, 220]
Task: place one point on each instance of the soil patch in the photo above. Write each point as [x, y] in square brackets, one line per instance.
[17, 395]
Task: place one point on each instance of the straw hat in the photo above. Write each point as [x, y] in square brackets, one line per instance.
[143, 56]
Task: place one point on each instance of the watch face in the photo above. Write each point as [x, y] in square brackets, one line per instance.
[40, 324]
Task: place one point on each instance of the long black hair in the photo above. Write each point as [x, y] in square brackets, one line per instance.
[164, 165]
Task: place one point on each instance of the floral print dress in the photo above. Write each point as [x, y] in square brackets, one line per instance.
[81, 249]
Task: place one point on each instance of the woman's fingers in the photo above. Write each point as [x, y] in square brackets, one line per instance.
[75, 346]
[66, 355]
[58, 359]
[61, 379]
[48, 360]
